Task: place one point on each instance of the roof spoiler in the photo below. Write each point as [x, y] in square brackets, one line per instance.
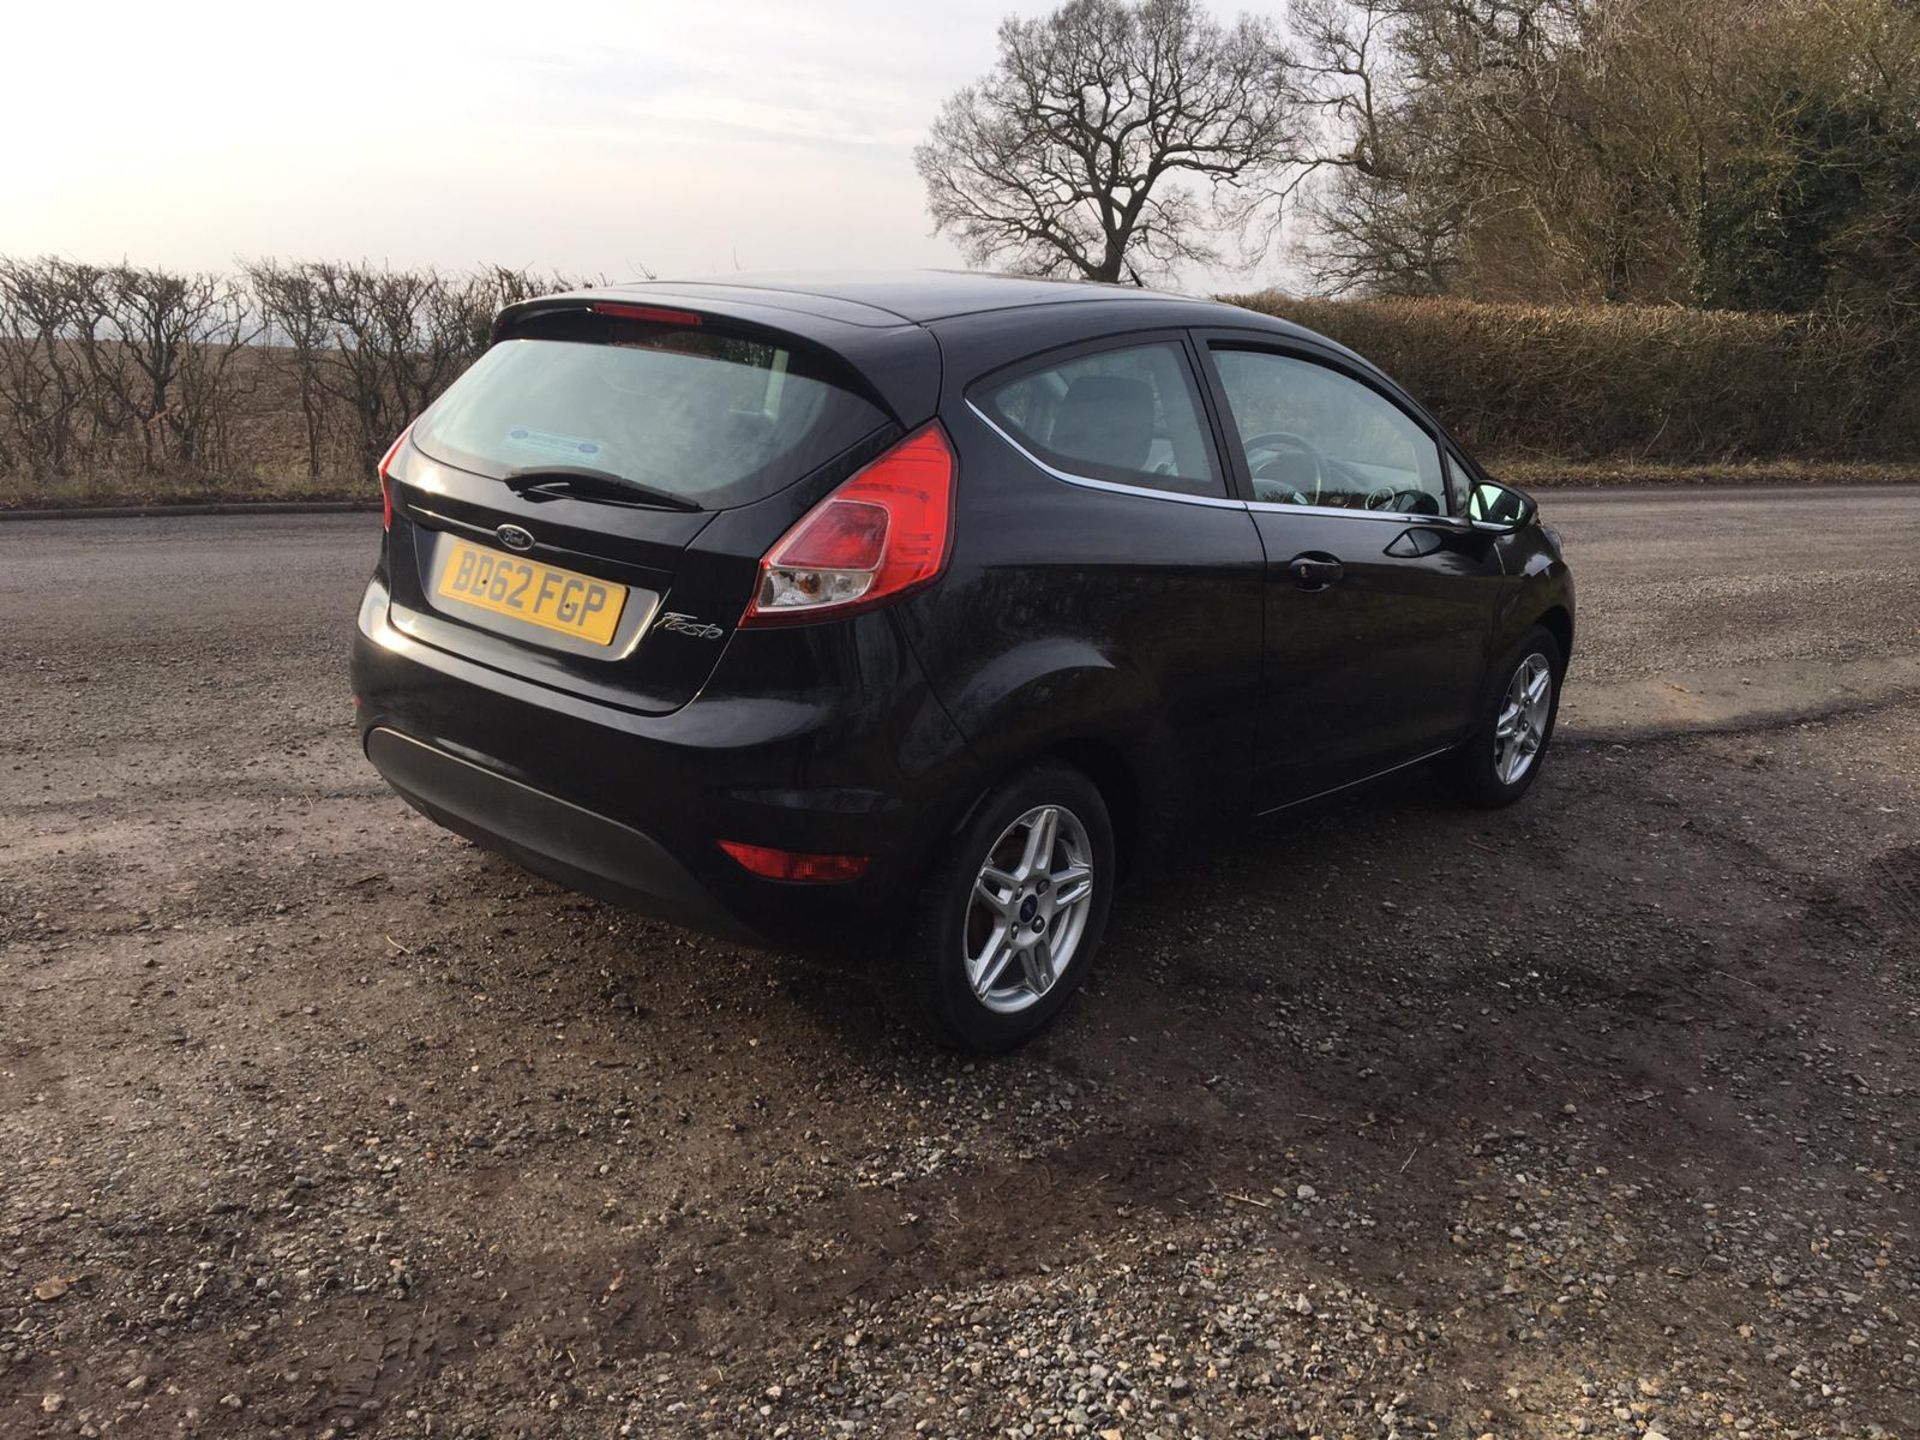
[900, 364]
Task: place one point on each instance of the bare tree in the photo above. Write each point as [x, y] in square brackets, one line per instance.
[44, 389]
[386, 356]
[290, 304]
[1110, 139]
[159, 349]
[487, 291]
[1520, 149]
[370, 346]
[223, 323]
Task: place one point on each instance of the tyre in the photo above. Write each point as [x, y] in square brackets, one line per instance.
[1500, 760]
[1013, 914]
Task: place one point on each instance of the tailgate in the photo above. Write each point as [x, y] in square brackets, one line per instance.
[587, 505]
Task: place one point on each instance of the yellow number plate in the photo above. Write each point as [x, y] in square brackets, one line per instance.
[545, 595]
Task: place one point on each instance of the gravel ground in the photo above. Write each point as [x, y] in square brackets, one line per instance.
[1594, 1117]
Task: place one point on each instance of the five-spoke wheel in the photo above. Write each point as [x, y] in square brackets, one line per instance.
[1029, 911]
[1522, 727]
[1013, 914]
[1501, 758]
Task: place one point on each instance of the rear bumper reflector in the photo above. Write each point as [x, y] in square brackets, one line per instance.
[771, 864]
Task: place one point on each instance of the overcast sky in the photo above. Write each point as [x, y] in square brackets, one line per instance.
[583, 135]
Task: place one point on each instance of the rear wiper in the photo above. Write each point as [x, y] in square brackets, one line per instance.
[550, 482]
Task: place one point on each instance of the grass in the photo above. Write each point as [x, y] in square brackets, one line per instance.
[109, 491]
[1533, 473]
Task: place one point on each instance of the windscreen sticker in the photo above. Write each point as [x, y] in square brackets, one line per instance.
[548, 443]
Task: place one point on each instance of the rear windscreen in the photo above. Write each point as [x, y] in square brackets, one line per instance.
[713, 419]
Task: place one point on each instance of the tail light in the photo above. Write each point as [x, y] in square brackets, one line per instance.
[881, 535]
[650, 314]
[386, 485]
[771, 864]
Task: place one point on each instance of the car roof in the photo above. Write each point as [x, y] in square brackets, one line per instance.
[864, 316]
[915, 296]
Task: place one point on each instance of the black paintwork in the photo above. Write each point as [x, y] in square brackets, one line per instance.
[1164, 645]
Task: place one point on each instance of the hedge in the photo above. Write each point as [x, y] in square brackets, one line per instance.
[1634, 383]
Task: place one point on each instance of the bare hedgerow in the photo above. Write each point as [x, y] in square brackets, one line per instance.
[160, 348]
[394, 339]
[45, 392]
[117, 368]
[368, 347]
[296, 332]
[385, 355]
[307, 370]
[126, 370]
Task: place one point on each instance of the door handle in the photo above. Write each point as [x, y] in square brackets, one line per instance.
[1315, 570]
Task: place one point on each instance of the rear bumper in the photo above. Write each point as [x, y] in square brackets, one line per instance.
[565, 842]
[632, 807]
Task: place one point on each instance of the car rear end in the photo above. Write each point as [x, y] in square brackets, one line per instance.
[633, 619]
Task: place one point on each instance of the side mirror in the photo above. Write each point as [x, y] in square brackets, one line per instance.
[1497, 508]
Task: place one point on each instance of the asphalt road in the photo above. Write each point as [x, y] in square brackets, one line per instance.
[1723, 606]
[1594, 1116]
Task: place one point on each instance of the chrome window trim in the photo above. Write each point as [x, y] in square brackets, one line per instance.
[1223, 502]
[1270, 507]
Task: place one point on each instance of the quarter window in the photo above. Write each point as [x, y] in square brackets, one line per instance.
[1131, 416]
[1313, 436]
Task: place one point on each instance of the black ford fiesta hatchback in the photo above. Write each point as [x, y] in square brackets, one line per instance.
[907, 611]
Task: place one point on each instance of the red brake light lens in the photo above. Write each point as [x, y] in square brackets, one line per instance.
[651, 314]
[881, 535]
[386, 486]
[772, 864]
[846, 535]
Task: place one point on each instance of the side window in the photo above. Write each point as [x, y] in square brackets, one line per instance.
[1315, 437]
[1131, 416]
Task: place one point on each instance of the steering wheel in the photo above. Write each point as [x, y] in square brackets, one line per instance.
[1291, 445]
[1407, 502]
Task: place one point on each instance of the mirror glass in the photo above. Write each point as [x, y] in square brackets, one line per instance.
[1491, 504]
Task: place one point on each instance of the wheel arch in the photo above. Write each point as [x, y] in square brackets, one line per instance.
[1118, 775]
[1116, 778]
[1557, 621]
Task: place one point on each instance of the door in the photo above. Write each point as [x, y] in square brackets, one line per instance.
[1379, 599]
[1111, 583]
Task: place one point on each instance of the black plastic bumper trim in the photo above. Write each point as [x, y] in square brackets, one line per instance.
[549, 836]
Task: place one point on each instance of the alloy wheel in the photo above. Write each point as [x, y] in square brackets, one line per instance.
[1522, 727]
[1028, 910]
